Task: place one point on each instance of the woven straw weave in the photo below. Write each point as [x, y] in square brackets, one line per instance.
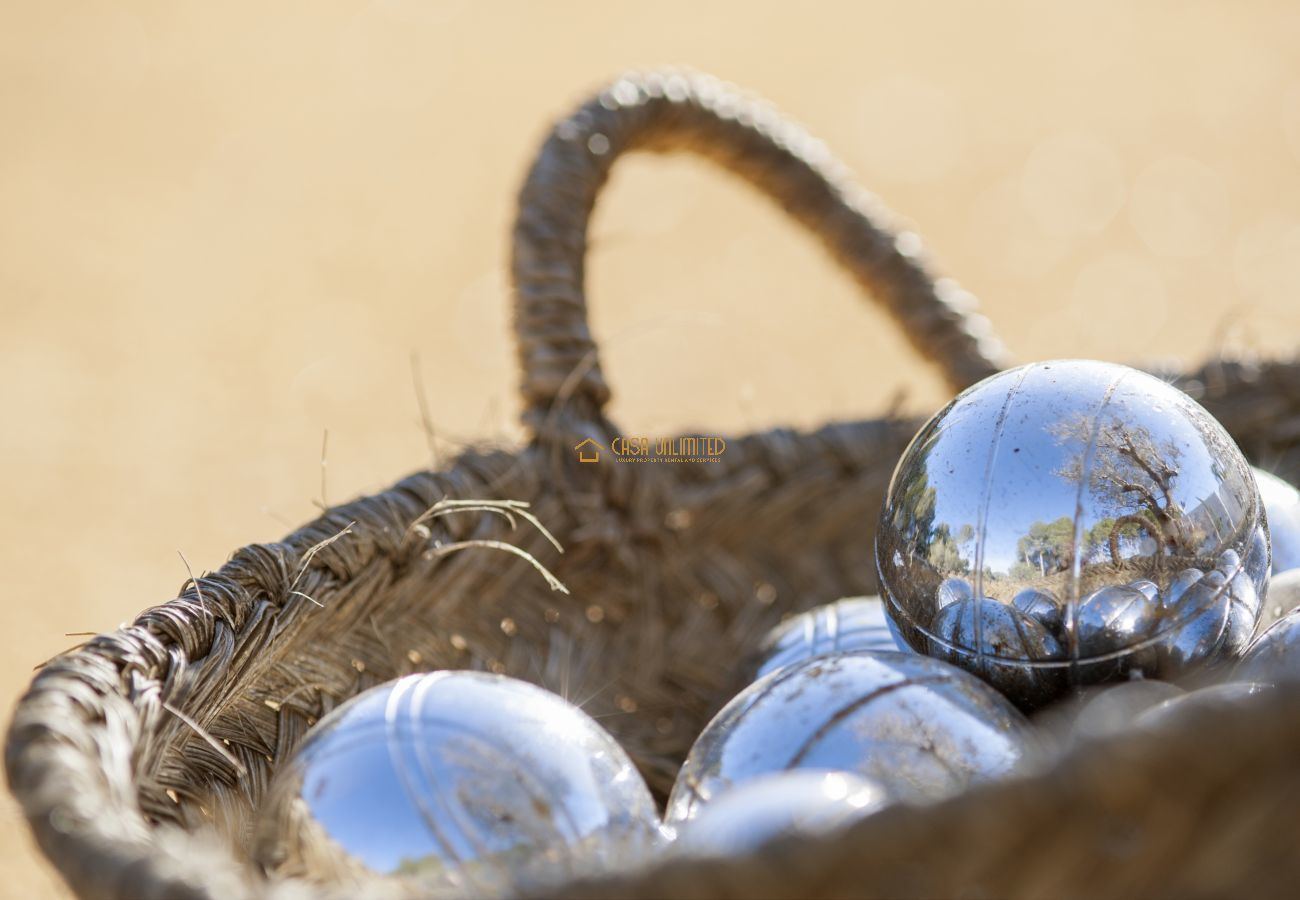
[140, 757]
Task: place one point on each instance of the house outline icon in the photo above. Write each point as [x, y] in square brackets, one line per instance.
[591, 455]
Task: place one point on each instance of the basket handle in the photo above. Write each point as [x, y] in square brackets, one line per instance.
[562, 383]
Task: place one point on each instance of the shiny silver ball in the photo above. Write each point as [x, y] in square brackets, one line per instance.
[1199, 617]
[953, 590]
[1211, 619]
[773, 806]
[1283, 598]
[1147, 587]
[1118, 615]
[854, 623]
[1275, 655]
[1111, 709]
[1097, 712]
[1227, 694]
[464, 782]
[1004, 634]
[917, 726]
[1043, 608]
[1282, 503]
[1091, 498]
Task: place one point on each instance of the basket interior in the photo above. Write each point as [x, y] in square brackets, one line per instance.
[673, 573]
[153, 739]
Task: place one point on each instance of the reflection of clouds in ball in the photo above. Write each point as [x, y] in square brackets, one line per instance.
[912, 131]
[1266, 259]
[1179, 207]
[1073, 185]
[1009, 239]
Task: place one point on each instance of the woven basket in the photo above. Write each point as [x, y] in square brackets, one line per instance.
[140, 757]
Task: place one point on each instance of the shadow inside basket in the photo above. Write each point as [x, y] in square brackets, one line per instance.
[671, 573]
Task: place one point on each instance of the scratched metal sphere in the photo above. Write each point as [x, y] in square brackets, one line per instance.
[1086, 486]
[459, 782]
[917, 726]
[772, 806]
[854, 623]
[1004, 634]
[1275, 655]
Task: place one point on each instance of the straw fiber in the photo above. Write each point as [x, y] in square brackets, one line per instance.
[139, 758]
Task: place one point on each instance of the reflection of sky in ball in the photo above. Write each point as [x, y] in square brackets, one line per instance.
[917, 725]
[362, 769]
[1027, 478]
[424, 767]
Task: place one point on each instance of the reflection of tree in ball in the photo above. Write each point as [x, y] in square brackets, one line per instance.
[1098, 501]
[1131, 475]
[921, 728]
[465, 782]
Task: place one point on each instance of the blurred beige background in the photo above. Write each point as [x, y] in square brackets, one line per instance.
[226, 227]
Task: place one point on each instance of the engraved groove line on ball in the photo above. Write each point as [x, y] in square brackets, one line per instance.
[1076, 556]
[845, 711]
[833, 626]
[773, 681]
[511, 762]
[986, 497]
[392, 731]
[455, 811]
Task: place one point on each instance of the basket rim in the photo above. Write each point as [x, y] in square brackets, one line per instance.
[51, 737]
[132, 665]
[64, 743]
